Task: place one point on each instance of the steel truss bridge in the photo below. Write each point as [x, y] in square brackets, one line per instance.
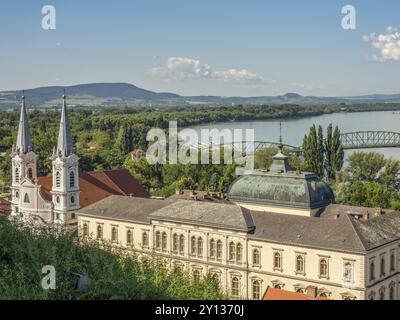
[350, 141]
[370, 139]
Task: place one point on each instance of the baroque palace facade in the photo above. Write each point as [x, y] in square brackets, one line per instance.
[277, 228]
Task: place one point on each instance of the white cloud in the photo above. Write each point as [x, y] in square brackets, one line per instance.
[179, 68]
[388, 43]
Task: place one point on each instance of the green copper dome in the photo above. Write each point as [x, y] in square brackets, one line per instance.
[281, 186]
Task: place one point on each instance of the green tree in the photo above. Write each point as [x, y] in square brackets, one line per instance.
[124, 139]
[365, 166]
[337, 153]
[334, 154]
[313, 151]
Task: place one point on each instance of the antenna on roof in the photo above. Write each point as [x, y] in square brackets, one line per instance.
[280, 137]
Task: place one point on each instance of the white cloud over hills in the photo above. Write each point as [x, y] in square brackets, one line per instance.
[388, 43]
[180, 68]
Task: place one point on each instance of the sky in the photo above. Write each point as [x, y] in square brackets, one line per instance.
[227, 48]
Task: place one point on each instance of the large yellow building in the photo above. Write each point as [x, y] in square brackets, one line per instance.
[278, 228]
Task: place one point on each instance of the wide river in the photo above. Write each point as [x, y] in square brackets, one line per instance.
[293, 130]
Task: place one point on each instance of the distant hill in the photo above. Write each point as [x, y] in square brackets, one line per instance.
[124, 94]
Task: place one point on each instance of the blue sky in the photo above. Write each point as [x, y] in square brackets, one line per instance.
[246, 48]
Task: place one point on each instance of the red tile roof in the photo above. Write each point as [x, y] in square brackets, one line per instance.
[279, 294]
[5, 207]
[98, 185]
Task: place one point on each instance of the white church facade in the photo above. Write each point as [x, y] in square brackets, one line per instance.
[28, 201]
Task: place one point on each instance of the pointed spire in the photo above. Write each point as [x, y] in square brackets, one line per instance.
[64, 145]
[24, 144]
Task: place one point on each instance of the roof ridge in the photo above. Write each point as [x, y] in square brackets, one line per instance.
[88, 177]
[359, 236]
[112, 181]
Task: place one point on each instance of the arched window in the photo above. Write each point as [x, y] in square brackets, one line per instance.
[232, 253]
[175, 243]
[392, 292]
[235, 287]
[372, 271]
[196, 275]
[72, 199]
[30, 174]
[372, 296]
[219, 249]
[17, 194]
[239, 253]
[300, 264]
[58, 179]
[382, 293]
[57, 199]
[277, 286]
[85, 229]
[114, 234]
[16, 175]
[145, 239]
[164, 241]
[300, 290]
[182, 244]
[348, 272]
[216, 277]
[178, 267]
[382, 266]
[200, 247]
[212, 249]
[129, 237]
[277, 260]
[323, 295]
[158, 240]
[193, 248]
[392, 263]
[256, 290]
[72, 179]
[323, 267]
[256, 257]
[99, 232]
[26, 198]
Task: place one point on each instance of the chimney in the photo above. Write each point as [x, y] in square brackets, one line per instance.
[311, 292]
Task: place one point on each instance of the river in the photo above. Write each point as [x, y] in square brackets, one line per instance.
[293, 130]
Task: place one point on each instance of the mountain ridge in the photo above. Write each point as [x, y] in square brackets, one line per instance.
[113, 94]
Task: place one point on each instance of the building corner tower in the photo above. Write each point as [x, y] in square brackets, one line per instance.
[24, 163]
[65, 190]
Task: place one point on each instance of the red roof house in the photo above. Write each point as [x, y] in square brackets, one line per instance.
[98, 185]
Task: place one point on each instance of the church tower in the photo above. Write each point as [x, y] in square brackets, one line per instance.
[65, 191]
[24, 161]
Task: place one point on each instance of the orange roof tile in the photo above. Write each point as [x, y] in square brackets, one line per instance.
[279, 294]
[98, 185]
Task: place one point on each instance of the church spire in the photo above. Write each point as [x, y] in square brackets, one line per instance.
[24, 144]
[64, 145]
